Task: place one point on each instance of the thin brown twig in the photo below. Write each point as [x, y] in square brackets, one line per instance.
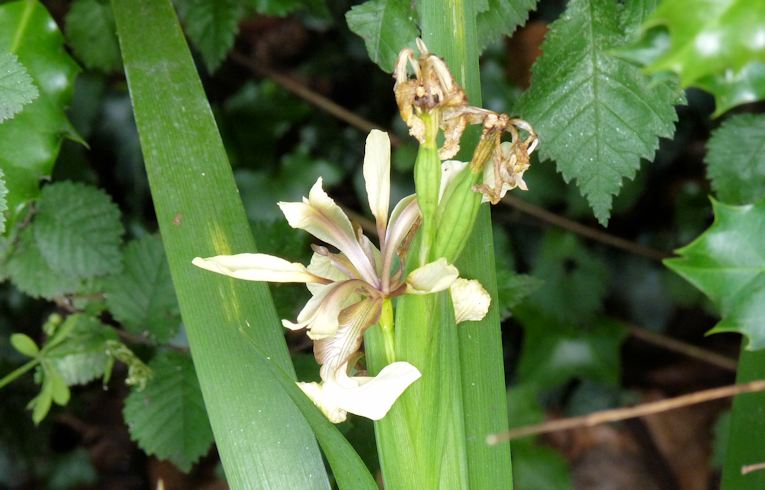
[311, 97]
[680, 347]
[620, 414]
[582, 230]
[746, 469]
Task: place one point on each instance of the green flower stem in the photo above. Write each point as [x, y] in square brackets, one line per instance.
[18, 372]
[386, 325]
[427, 181]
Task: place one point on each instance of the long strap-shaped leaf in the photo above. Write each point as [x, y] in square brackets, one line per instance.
[449, 29]
[263, 440]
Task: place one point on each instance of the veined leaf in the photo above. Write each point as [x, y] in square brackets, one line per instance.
[596, 115]
[168, 419]
[718, 45]
[3, 203]
[91, 33]
[727, 263]
[78, 230]
[386, 26]
[262, 438]
[16, 86]
[81, 357]
[736, 159]
[211, 26]
[29, 142]
[142, 297]
[501, 18]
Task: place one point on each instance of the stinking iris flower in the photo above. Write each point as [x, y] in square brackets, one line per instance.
[349, 287]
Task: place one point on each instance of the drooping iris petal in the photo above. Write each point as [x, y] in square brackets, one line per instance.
[377, 177]
[322, 218]
[431, 277]
[334, 267]
[321, 314]
[471, 301]
[258, 267]
[335, 351]
[371, 397]
[319, 397]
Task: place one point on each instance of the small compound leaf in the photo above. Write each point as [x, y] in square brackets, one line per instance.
[91, 33]
[727, 263]
[78, 230]
[736, 159]
[597, 115]
[16, 86]
[24, 345]
[59, 389]
[168, 418]
[81, 355]
[29, 142]
[211, 26]
[501, 18]
[386, 26]
[142, 296]
[40, 404]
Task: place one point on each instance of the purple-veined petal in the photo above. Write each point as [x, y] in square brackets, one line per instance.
[258, 267]
[322, 218]
[377, 177]
[321, 314]
[402, 219]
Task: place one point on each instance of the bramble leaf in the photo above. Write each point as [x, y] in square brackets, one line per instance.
[29, 143]
[91, 33]
[513, 288]
[386, 26]
[596, 115]
[501, 18]
[142, 296]
[16, 86]
[81, 357]
[78, 230]
[211, 26]
[736, 159]
[168, 418]
[717, 45]
[727, 263]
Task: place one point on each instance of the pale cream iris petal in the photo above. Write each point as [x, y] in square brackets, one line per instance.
[377, 176]
[257, 267]
[471, 301]
[432, 277]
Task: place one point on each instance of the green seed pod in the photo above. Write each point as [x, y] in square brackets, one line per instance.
[456, 215]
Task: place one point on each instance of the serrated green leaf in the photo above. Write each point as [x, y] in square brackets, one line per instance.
[501, 18]
[386, 26]
[574, 280]
[596, 115]
[32, 274]
[91, 33]
[211, 26]
[736, 159]
[555, 352]
[168, 418]
[16, 86]
[727, 263]
[3, 204]
[513, 288]
[24, 344]
[280, 8]
[718, 45]
[142, 296]
[78, 230]
[80, 357]
[29, 143]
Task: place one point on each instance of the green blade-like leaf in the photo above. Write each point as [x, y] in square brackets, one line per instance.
[142, 297]
[3, 201]
[727, 263]
[596, 115]
[167, 419]
[263, 440]
[211, 27]
[501, 18]
[386, 26]
[81, 357]
[16, 86]
[29, 142]
[78, 230]
[736, 159]
[91, 33]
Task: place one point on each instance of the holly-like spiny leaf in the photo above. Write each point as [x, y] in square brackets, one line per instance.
[596, 115]
[727, 263]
